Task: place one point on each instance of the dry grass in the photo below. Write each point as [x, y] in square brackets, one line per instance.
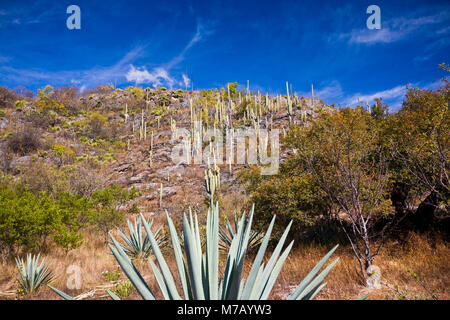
[427, 257]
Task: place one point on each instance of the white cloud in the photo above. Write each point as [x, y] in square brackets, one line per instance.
[157, 77]
[186, 81]
[393, 30]
[333, 93]
[160, 76]
[329, 93]
[393, 97]
[366, 36]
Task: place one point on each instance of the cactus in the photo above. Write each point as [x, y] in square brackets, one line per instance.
[150, 151]
[289, 102]
[126, 113]
[32, 274]
[137, 246]
[160, 195]
[212, 182]
[199, 271]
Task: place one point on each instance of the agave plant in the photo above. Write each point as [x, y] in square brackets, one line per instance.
[227, 234]
[32, 274]
[137, 245]
[199, 272]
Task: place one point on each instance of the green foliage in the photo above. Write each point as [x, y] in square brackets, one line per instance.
[178, 94]
[107, 203]
[111, 276]
[293, 195]
[64, 152]
[234, 93]
[228, 233]
[32, 274]
[124, 289]
[137, 245]
[164, 100]
[20, 103]
[27, 220]
[48, 99]
[421, 145]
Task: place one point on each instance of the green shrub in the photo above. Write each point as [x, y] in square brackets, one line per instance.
[124, 289]
[28, 221]
[107, 203]
[111, 275]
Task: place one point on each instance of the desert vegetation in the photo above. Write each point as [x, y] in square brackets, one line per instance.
[87, 174]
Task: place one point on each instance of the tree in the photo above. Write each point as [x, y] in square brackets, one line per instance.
[420, 147]
[107, 203]
[345, 154]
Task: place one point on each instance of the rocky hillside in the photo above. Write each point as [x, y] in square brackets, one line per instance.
[63, 140]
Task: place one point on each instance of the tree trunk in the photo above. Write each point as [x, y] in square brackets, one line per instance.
[424, 215]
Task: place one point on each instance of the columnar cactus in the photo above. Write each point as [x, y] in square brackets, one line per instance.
[212, 181]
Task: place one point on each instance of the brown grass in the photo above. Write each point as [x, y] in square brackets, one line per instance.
[424, 256]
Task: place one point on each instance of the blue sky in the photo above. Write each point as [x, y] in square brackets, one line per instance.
[210, 43]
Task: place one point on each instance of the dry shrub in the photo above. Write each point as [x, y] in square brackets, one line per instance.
[8, 98]
[24, 141]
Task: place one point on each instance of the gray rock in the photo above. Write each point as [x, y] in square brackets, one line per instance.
[139, 178]
[4, 123]
[19, 162]
[167, 191]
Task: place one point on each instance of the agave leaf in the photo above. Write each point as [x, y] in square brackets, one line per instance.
[33, 275]
[364, 297]
[271, 264]
[212, 251]
[169, 280]
[181, 265]
[130, 270]
[274, 274]
[193, 261]
[63, 295]
[160, 280]
[305, 282]
[317, 281]
[112, 294]
[256, 267]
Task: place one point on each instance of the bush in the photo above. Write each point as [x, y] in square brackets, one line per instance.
[42, 119]
[97, 126]
[290, 196]
[28, 221]
[7, 98]
[24, 141]
[108, 202]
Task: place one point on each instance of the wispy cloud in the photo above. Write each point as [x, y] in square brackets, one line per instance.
[123, 71]
[157, 77]
[186, 81]
[333, 93]
[393, 96]
[87, 78]
[394, 30]
[160, 75]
